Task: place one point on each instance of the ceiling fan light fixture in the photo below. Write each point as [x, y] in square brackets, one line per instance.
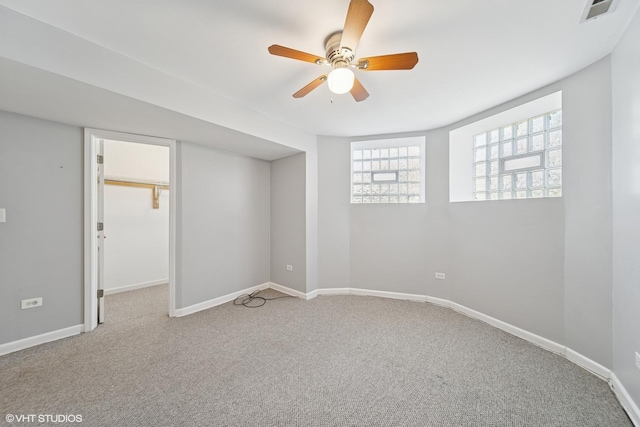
[340, 55]
[340, 80]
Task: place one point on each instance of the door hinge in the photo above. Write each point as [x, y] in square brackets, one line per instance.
[100, 293]
[100, 226]
[100, 159]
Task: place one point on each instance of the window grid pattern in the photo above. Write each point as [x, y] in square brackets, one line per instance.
[386, 175]
[520, 160]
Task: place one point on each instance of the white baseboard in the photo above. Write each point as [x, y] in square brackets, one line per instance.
[218, 301]
[547, 344]
[289, 291]
[552, 346]
[625, 400]
[135, 286]
[439, 301]
[18, 345]
[528, 336]
[385, 294]
[332, 291]
[542, 342]
[588, 364]
[370, 293]
[180, 312]
[623, 396]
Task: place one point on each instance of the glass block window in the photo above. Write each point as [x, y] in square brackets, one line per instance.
[388, 171]
[520, 160]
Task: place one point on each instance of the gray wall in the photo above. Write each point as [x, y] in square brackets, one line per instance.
[588, 212]
[410, 243]
[541, 265]
[334, 219]
[288, 222]
[223, 241]
[554, 275]
[223, 223]
[41, 242]
[626, 208]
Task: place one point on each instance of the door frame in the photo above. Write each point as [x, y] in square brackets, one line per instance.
[90, 288]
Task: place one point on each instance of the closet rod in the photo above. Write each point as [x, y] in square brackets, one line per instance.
[156, 188]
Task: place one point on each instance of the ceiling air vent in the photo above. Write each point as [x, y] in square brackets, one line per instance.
[597, 8]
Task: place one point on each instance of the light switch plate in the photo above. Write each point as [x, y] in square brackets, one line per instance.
[3, 215]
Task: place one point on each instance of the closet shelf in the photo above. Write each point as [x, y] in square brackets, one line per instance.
[155, 187]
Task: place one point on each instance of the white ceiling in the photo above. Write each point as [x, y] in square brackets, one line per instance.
[473, 54]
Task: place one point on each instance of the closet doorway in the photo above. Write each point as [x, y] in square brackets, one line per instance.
[130, 200]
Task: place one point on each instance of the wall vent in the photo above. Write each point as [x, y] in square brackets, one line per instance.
[597, 8]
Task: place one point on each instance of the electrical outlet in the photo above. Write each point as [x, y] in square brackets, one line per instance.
[440, 276]
[289, 267]
[31, 303]
[638, 360]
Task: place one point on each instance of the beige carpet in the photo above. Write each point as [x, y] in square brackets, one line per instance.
[331, 361]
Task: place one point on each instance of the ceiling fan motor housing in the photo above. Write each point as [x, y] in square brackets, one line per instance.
[338, 57]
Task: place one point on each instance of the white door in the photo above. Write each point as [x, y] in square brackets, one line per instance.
[94, 307]
[101, 236]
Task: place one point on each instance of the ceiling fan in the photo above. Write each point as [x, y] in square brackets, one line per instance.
[340, 56]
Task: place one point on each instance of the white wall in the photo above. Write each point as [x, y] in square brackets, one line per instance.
[542, 265]
[41, 240]
[136, 161]
[626, 210]
[223, 223]
[137, 244]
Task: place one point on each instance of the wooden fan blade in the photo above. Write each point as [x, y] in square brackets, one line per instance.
[357, 18]
[398, 61]
[294, 54]
[311, 86]
[358, 91]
